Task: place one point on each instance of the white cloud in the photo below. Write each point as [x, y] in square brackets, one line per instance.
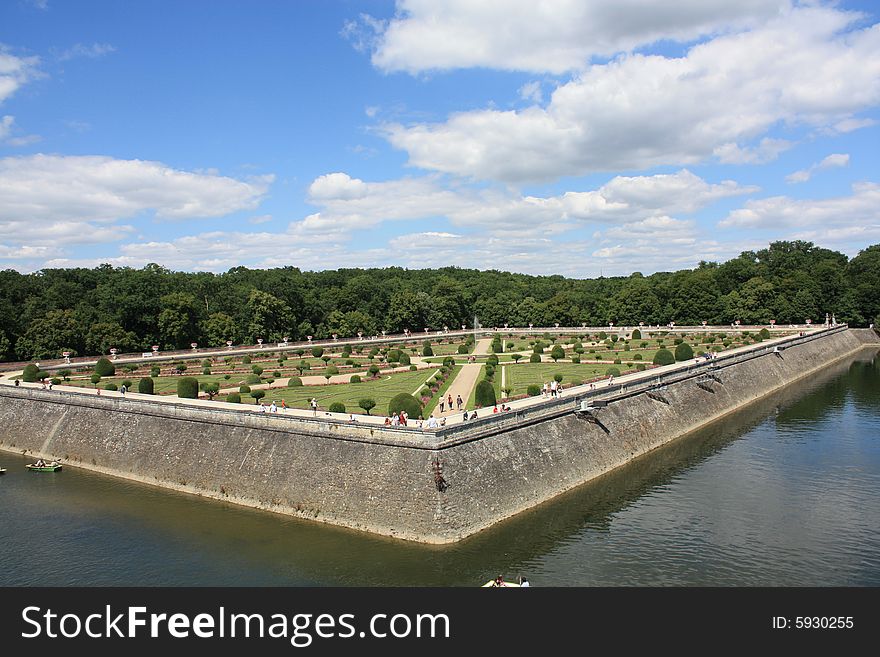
[7, 128]
[15, 72]
[531, 91]
[832, 161]
[524, 35]
[808, 67]
[92, 51]
[261, 219]
[858, 209]
[350, 203]
[766, 150]
[45, 188]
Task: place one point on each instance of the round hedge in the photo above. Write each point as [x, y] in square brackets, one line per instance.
[337, 407]
[294, 382]
[462, 349]
[484, 394]
[612, 371]
[188, 387]
[244, 389]
[683, 352]
[492, 360]
[641, 367]
[405, 402]
[317, 352]
[664, 357]
[535, 358]
[355, 378]
[449, 361]
[533, 390]
[404, 358]
[258, 395]
[145, 386]
[104, 367]
[233, 398]
[637, 357]
[427, 350]
[30, 373]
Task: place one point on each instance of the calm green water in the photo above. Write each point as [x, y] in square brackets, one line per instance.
[785, 492]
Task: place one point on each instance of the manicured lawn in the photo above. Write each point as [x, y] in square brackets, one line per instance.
[380, 390]
[520, 377]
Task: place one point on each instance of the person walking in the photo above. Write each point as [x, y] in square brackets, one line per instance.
[458, 402]
[314, 404]
[449, 402]
[442, 404]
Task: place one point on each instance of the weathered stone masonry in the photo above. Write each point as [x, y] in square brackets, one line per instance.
[387, 480]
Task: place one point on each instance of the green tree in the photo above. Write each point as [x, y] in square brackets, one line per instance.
[484, 394]
[683, 352]
[367, 404]
[218, 328]
[105, 367]
[48, 336]
[557, 352]
[405, 402]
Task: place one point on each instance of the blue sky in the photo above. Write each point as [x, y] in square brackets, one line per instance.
[564, 137]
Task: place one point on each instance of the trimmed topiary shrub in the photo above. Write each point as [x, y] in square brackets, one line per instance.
[188, 387]
[602, 335]
[256, 369]
[405, 402]
[252, 379]
[535, 358]
[30, 373]
[533, 390]
[462, 349]
[367, 404]
[111, 386]
[244, 389]
[155, 371]
[557, 352]
[558, 378]
[294, 382]
[355, 378]
[484, 394]
[575, 359]
[641, 367]
[664, 357]
[413, 368]
[612, 371]
[684, 352]
[637, 357]
[427, 350]
[145, 386]
[492, 360]
[55, 381]
[317, 352]
[337, 407]
[104, 367]
[374, 370]
[258, 395]
[94, 378]
[449, 361]
[233, 398]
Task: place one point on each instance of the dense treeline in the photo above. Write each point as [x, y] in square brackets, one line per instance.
[89, 310]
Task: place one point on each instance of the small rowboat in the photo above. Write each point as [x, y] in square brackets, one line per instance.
[493, 584]
[54, 466]
[2, 470]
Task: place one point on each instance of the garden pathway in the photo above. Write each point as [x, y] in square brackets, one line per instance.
[462, 385]
[481, 348]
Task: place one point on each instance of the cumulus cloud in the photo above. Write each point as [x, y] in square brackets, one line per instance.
[832, 161]
[349, 203]
[524, 35]
[809, 67]
[41, 188]
[857, 209]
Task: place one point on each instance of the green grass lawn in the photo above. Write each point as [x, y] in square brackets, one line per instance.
[381, 390]
[520, 377]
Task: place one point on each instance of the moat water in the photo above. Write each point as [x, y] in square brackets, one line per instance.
[785, 492]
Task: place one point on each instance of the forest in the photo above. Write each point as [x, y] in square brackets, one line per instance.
[88, 311]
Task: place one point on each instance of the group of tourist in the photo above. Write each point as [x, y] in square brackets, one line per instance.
[447, 402]
[397, 419]
[551, 389]
[273, 407]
